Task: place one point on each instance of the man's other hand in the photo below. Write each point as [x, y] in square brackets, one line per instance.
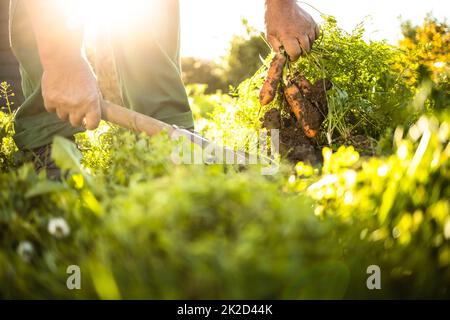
[290, 27]
[70, 90]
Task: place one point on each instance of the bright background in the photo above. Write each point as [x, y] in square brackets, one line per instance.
[208, 25]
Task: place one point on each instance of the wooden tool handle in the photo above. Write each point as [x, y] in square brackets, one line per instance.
[132, 120]
[138, 122]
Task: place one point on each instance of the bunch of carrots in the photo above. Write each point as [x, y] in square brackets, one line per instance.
[308, 102]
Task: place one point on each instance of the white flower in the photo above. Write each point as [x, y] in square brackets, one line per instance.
[383, 170]
[58, 227]
[25, 250]
[292, 179]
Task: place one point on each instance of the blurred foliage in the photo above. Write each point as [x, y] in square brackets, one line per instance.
[203, 72]
[399, 205]
[243, 58]
[222, 117]
[230, 234]
[427, 58]
[427, 45]
[7, 145]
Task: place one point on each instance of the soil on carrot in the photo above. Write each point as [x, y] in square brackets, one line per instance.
[294, 144]
[315, 105]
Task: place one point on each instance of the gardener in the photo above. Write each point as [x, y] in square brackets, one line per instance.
[60, 88]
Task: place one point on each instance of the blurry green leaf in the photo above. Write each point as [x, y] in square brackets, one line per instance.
[66, 155]
[104, 283]
[92, 203]
[45, 187]
[387, 202]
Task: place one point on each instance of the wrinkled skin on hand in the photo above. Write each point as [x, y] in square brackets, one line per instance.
[290, 27]
[70, 90]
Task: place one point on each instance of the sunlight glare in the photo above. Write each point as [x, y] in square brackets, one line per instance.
[100, 15]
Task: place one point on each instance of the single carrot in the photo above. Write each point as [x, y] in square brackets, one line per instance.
[295, 100]
[299, 107]
[270, 87]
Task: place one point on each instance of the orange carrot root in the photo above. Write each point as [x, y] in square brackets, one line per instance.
[270, 87]
[310, 133]
[295, 99]
[303, 84]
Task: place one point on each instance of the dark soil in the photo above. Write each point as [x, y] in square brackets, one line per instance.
[315, 102]
[294, 144]
[272, 119]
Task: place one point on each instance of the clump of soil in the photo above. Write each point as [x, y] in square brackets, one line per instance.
[272, 119]
[294, 144]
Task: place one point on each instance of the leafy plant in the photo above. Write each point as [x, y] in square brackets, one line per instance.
[427, 59]
[7, 145]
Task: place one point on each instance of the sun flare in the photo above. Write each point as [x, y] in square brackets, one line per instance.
[100, 15]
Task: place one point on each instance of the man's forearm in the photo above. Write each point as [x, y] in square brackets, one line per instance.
[57, 42]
